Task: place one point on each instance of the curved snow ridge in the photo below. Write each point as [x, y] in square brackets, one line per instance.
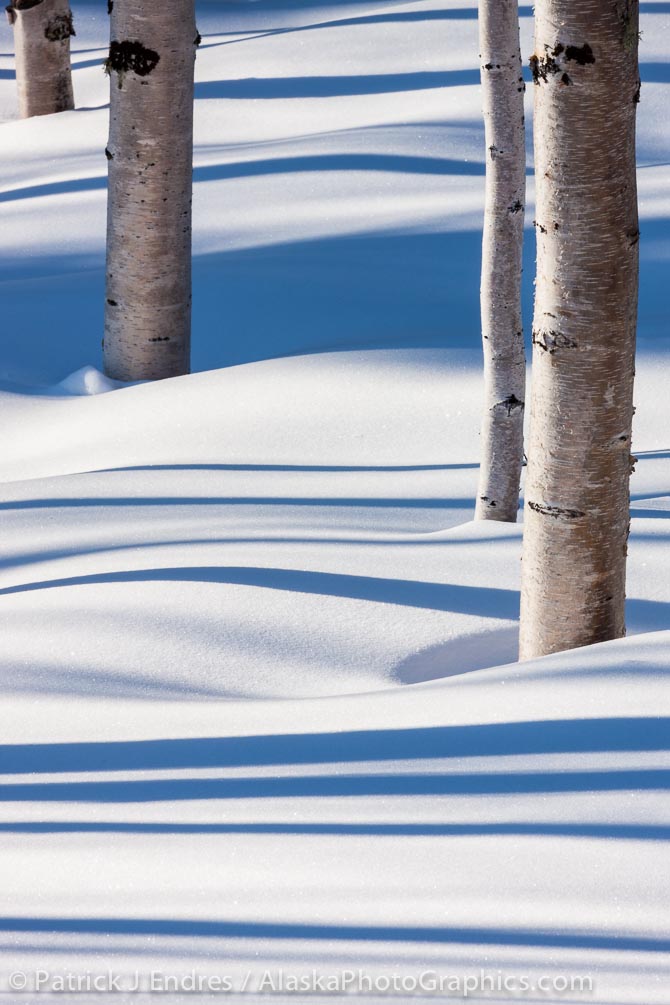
[377, 408]
[612, 681]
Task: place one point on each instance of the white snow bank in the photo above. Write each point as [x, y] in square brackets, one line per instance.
[220, 594]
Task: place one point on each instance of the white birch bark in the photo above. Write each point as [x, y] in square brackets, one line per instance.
[577, 485]
[502, 334]
[42, 32]
[150, 156]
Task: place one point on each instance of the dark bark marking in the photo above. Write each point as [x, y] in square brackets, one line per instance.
[59, 28]
[25, 4]
[198, 38]
[582, 54]
[548, 65]
[633, 237]
[486, 499]
[510, 403]
[160, 338]
[516, 207]
[636, 93]
[108, 154]
[131, 57]
[543, 67]
[556, 512]
[112, 303]
[543, 230]
[110, 6]
[550, 341]
[63, 91]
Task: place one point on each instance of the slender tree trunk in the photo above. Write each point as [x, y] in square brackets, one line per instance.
[150, 155]
[42, 32]
[577, 487]
[504, 357]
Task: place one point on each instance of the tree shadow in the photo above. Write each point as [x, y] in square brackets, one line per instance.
[395, 17]
[369, 502]
[322, 468]
[615, 832]
[654, 73]
[577, 939]
[339, 786]
[270, 88]
[484, 601]
[551, 736]
[398, 163]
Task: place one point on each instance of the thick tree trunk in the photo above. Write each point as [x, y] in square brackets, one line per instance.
[150, 155]
[577, 486]
[42, 32]
[504, 357]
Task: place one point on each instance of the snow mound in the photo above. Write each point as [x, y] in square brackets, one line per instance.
[87, 380]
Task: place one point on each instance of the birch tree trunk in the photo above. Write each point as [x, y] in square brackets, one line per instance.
[42, 32]
[587, 87]
[502, 334]
[150, 155]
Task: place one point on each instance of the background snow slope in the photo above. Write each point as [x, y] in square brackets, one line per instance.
[215, 589]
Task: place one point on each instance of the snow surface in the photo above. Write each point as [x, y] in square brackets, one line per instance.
[259, 701]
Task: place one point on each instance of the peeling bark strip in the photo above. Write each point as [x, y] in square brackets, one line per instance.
[573, 572]
[502, 337]
[42, 32]
[149, 155]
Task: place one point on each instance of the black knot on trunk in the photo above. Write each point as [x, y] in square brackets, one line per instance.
[132, 57]
[581, 54]
[510, 404]
[59, 28]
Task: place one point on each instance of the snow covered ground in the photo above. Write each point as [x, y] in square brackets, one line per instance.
[259, 702]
